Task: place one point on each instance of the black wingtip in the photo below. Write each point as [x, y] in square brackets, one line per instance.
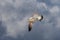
[29, 28]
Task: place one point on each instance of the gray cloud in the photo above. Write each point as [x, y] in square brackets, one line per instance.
[14, 18]
[55, 1]
[14, 15]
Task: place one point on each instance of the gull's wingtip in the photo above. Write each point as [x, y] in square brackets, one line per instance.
[29, 27]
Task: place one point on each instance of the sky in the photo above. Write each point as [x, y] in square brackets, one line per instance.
[14, 16]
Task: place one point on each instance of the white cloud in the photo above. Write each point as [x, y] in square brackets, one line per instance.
[16, 3]
[41, 5]
[54, 13]
[52, 21]
[15, 22]
[14, 25]
[54, 10]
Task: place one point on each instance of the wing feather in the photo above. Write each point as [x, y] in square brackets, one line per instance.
[29, 26]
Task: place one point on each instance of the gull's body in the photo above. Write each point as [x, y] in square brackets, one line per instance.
[33, 19]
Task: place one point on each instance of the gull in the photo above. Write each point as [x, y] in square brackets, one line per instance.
[33, 19]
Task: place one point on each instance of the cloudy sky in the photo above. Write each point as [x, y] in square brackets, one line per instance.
[14, 16]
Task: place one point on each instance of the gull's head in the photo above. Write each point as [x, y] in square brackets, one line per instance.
[40, 18]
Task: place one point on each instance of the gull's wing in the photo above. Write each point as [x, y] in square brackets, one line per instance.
[29, 26]
[31, 21]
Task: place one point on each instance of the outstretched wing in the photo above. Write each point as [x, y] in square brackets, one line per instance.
[31, 21]
[29, 26]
